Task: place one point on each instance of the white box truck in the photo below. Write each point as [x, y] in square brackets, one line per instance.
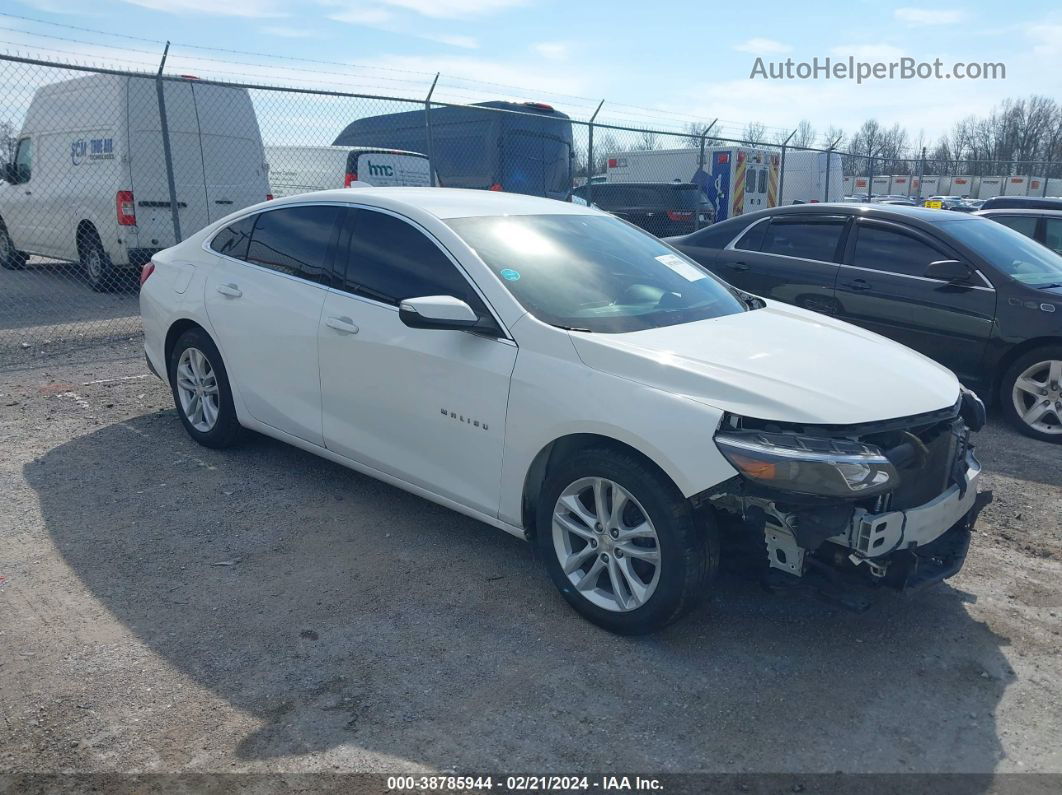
[302, 169]
[1020, 185]
[989, 187]
[960, 186]
[901, 184]
[860, 187]
[804, 177]
[88, 180]
[934, 185]
[881, 185]
[735, 179]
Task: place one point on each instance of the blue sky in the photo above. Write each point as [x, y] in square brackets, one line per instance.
[673, 61]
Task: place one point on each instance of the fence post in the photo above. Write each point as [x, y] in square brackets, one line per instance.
[1047, 170]
[921, 171]
[590, 155]
[427, 130]
[781, 169]
[175, 214]
[704, 136]
[870, 174]
[829, 165]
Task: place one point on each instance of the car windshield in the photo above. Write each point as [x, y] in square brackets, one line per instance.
[1018, 256]
[594, 273]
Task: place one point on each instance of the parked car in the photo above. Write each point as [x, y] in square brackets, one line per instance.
[982, 299]
[303, 169]
[88, 181]
[1043, 226]
[953, 203]
[662, 208]
[559, 374]
[1023, 202]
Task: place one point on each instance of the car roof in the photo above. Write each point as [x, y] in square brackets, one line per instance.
[867, 209]
[445, 202]
[1028, 211]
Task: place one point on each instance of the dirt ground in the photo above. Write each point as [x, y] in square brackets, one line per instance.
[164, 607]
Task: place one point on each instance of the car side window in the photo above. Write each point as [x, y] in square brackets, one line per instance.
[24, 160]
[1053, 234]
[893, 251]
[295, 240]
[1019, 223]
[807, 238]
[752, 240]
[232, 241]
[389, 260]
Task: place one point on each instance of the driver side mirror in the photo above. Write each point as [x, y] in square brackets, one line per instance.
[948, 270]
[437, 312]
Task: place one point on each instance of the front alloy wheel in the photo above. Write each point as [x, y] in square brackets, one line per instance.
[606, 544]
[620, 541]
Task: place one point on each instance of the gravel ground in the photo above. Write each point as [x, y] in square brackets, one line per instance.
[164, 607]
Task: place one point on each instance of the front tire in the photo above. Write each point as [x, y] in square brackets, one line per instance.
[201, 392]
[621, 543]
[1030, 393]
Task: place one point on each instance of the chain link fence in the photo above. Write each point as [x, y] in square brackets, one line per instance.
[103, 167]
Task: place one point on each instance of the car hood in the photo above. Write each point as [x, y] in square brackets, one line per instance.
[778, 363]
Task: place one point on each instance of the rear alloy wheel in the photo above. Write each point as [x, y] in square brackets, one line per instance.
[1031, 394]
[201, 391]
[97, 265]
[621, 543]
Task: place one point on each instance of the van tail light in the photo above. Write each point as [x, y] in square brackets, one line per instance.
[147, 270]
[124, 208]
[496, 186]
[680, 215]
[269, 197]
[349, 177]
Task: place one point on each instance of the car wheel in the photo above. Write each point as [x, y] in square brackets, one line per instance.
[201, 390]
[1031, 393]
[621, 543]
[10, 257]
[99, 270]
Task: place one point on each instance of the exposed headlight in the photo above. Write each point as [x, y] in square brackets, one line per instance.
[809, 465]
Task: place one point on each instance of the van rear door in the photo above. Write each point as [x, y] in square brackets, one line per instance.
[147, 162]
[390, 169]
[233, 158]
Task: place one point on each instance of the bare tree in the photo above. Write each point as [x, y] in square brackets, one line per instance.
[754, 133]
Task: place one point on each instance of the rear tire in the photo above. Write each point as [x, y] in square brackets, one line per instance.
[201, 392]
[10, 257]
[1030, 393]
[100, 272]
[641, 568]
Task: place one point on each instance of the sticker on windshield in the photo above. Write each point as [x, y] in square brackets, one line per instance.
[510, 275]
[684, 269]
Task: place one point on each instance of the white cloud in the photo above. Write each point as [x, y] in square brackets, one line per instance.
[928, 16]
[450, 9]
[1046, 39]
[361, 15]
[551, 50]
[760, 46]
[454, 40]
[227, 8]
[287, 33]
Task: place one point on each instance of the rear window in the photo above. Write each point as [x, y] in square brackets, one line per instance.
[806, 238]
[232, 241]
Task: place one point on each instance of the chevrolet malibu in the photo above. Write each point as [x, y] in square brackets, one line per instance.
[565, 377]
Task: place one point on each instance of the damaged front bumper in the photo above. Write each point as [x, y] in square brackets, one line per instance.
[909, 537]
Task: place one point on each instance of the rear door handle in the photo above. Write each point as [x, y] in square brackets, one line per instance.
[858, 284]
[739, 266]
[344, 325]
[231, 290]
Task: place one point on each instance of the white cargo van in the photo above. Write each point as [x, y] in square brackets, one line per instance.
[960, 186]
[804, 177]
[301, 169]
[88, 181]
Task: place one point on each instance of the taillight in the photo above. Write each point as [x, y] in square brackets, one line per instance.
[269, 197]
[147, 270]
[348, 178]
[496, 186]
[124, 208]
[680, 215]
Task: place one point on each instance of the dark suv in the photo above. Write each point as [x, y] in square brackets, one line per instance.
[1023, 203]
[661, 208]
[977, 296]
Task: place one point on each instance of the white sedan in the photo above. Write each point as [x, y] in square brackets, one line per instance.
[561, 375]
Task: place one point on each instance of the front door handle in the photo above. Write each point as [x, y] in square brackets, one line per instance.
[344, 325]
[739, 266]
[858, 284]
[231, 290]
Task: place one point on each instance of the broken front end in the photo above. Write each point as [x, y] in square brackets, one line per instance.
[888, 503]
